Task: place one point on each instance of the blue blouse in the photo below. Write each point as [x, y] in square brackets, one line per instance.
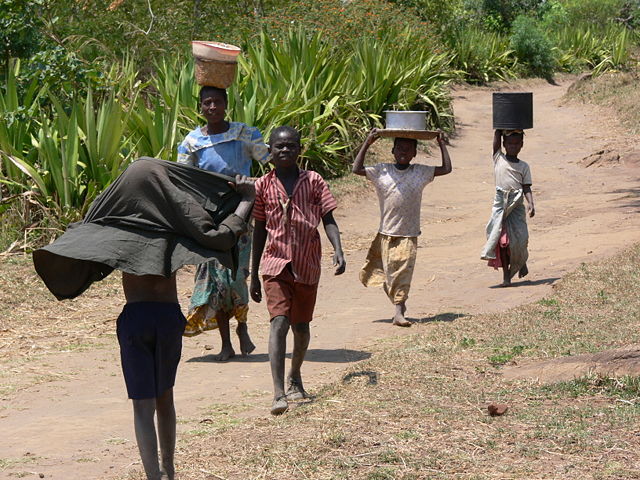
[229, 153]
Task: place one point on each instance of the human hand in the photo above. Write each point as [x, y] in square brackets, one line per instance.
[255, 289]
[441, 138]
[372, 137]
[339, 262]
[245, 187]
[532, 210]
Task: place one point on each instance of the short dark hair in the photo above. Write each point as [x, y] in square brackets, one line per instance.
[415, 142]
[519, 136]
[206, 90]
[284, 129]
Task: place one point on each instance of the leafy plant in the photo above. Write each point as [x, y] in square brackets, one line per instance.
[482, 56]
[532, 47]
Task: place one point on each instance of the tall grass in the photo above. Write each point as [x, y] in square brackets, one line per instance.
[481, 56]
[591, 48]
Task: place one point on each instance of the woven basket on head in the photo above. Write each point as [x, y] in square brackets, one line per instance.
[214, 73]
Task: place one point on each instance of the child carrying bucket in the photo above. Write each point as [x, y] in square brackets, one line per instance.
[399, 185]
[507, 232]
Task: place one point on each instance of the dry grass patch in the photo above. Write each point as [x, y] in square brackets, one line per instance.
[417, 408]
[34, 324]
[616, 90]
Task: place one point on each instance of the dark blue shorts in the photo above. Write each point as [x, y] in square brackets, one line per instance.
[150, 337]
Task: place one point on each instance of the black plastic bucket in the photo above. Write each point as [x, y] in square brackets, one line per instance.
[512, 111]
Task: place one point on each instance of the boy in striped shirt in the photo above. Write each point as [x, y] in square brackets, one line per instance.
[290, 203]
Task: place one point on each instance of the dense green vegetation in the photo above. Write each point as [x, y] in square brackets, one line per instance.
[89, 86]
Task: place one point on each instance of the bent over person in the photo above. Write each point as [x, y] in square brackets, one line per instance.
[155, 218]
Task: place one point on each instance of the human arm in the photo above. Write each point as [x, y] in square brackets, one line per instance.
[259, 241]
[185, 155]
[333, 233]
[246, 188]
[497, 141]
[259, 150]
[358, 163]
[225, 236]
[445, 168]
[528, 195]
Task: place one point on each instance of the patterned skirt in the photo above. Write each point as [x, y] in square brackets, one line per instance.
[219, 296]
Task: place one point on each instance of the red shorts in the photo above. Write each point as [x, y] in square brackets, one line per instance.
[289, 298]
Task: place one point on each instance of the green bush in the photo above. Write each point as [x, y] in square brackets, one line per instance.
[482, 56]
[499, 15]
[532, 47]
[342, 22]
[596, 13]
[20, 24]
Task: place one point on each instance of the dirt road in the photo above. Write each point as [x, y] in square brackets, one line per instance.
[81, 425]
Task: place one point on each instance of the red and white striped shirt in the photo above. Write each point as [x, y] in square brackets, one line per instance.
[292, 224]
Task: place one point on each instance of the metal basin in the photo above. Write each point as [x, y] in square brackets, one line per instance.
[406, 120]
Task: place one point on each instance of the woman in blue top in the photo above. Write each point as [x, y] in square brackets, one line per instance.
[228, 148]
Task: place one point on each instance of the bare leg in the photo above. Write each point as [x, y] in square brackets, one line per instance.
[301, 337]
[143, 413]
[246, 345]
[277, 350]
[167, 432]
[398, 318]
[506, 270]
[227, 351]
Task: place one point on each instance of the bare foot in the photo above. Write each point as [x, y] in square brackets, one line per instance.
[400, 321]
[225, 354]
[398, 318]
[506, 283]
[295, 390]
[279, 406]
[246, 345]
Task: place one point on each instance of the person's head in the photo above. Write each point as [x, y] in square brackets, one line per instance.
[512, 143]
[284, 146]
[404, 150]
[213, 103]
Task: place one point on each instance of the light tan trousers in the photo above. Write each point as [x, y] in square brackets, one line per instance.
[390, 264]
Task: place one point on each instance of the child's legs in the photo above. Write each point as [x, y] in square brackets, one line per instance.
[399, 257]
[277, 350]
[303, 303]
[150, 337]
[278, 291]
[166, 413]
[143, 413]
[506, 268]
[301, 338]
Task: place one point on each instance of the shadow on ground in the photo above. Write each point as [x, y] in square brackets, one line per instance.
[371, 377]
[440, 317]
[630, 198]
[339, 355]
[529, 283]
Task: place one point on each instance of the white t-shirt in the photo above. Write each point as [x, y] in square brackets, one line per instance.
[510, 175]
[400, 196]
